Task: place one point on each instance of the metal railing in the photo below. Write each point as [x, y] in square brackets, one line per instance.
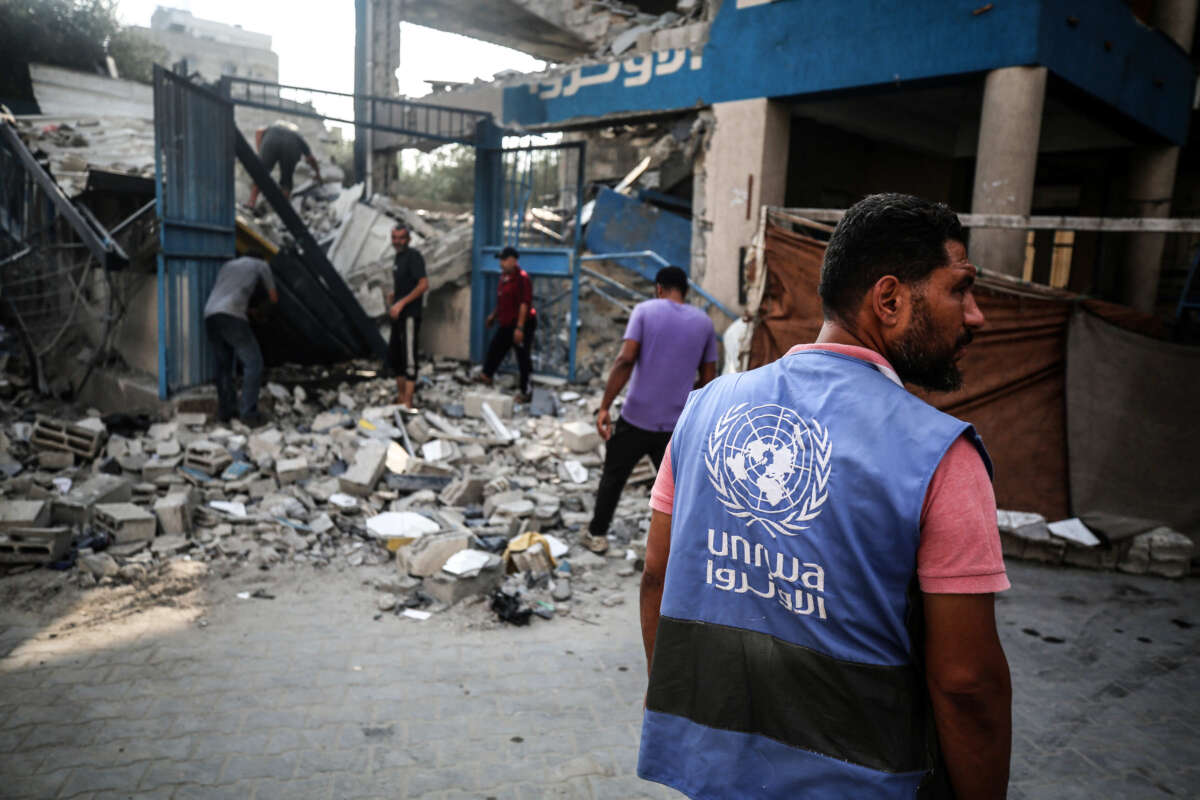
[653, 257]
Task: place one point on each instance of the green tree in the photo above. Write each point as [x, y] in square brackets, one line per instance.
[76, 34]
[446, 175]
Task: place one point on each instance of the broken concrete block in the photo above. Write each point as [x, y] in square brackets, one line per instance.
[56, 434]
[463, 492]
[495, 500]
[573, 471]
[473, 454]
[291, 470]
[24, 514]
[124, 522]
[34, 545]
[368, 466]
[473, 402]
[425, 556]
[207, 457]
[167, 448]
[76, 507]
[191, 419]
[329, 420]
[1169, 552]
[156, 467]
[56, 459]
[494, 422]
[162, 430]
[580, 437]
[174, 514]
[449, 589]
[264, 445]
[1023, 525]
[101, 565]
[419, 430]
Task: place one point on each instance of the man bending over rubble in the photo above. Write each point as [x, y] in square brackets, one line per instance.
[665, 342]
[409, 284]
[282, 144]
[230, 334]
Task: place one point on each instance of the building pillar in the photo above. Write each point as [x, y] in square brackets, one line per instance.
[1006, 163]
[1152, 177]
[745, 167]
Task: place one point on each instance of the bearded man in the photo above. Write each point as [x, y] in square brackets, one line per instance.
[817, 602]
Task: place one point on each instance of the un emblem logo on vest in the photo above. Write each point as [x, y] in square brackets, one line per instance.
[770, 466]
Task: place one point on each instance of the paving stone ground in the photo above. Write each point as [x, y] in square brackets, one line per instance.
[306, 696]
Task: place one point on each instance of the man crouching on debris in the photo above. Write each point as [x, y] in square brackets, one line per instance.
[665, 343]
[231, 336]
[282, 144]
[516, 319]
[817, 604]
[409, 284]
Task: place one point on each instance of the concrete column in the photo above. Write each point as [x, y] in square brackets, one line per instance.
[745, 167]
[1152, 177]
[1006, 162]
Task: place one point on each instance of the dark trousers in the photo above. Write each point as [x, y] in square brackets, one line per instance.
[625, 448]
[502, 340]
[232, 338]
[402, 347]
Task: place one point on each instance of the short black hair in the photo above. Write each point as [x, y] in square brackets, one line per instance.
[508, 252]
[400, 226]
[884, 234]
[672, 278]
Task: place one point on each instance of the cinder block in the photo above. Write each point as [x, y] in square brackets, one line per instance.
[291, 470]
[24, 514]
[125, 522]
[174, 513]
[76, 507]
[426, 555]
[157, 467]
[502, 404]
[56, 459]
[364, 473]
[57, 434]
[207, 457]
[449, 589]
[463, 492]
[34, 545]
[580, 437]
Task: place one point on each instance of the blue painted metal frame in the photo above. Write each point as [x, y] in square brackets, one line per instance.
[789, 48]
[193, 133]
[623, 223]
[500, 203]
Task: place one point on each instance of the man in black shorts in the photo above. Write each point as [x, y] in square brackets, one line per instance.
[404, 307]
[282, 144]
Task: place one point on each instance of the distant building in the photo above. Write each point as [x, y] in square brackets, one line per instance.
[213, 48]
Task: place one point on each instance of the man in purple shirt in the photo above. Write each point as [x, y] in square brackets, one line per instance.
[665, 343]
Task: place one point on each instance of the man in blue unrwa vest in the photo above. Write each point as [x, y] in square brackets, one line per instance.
[817, 603]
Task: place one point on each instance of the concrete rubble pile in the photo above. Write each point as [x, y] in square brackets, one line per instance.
[1155, 550]
[475, 497]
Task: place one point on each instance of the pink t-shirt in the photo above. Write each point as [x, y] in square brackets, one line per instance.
[960, 543]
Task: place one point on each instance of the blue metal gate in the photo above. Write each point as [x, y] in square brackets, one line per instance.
[194, 190]
[530, 198]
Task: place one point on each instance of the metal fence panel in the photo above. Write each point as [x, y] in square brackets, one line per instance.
[194, 157]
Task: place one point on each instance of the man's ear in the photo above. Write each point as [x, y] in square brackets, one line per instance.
[888, 299]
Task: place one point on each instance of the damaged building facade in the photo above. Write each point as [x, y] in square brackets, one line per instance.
[1010, 108]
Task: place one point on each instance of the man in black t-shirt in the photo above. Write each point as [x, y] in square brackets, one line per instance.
[404, 307]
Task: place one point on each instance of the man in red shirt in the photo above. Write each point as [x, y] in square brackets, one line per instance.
[517, 321]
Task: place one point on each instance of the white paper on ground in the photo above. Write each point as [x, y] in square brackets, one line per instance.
[466, 563]
[343, 500]
[399, 524]
[62, 484]
[558, 548]
[1073, 530]
[230, 508]
[413, 613]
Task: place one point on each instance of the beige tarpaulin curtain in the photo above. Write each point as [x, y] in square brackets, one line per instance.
[1015, 393]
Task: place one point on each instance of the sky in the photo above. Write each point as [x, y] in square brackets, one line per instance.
[315, 43]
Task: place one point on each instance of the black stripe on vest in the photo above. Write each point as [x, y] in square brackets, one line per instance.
[749, 682]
